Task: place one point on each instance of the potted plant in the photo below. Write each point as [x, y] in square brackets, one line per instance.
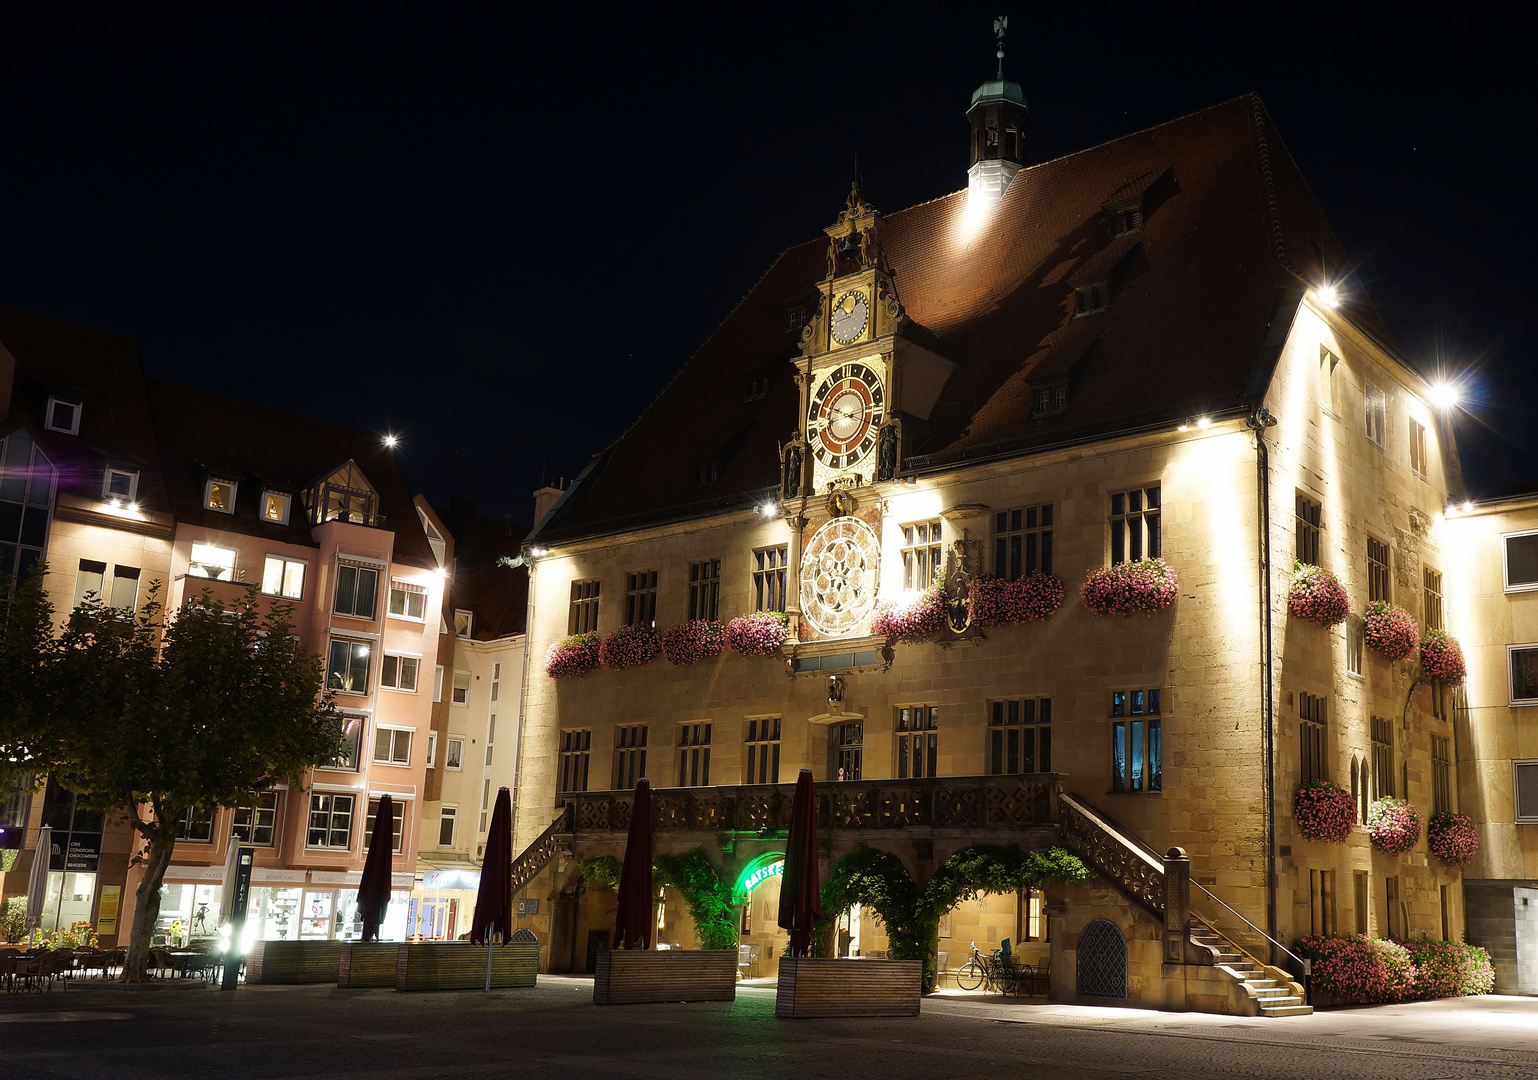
[760, 633]
[1145, 585]
[911, 616]
[1325, 813]
[996, 602]
[1393, 825]
[629, 646]
[1316, 595]
[572, 656]
[1453, 838]
[1442, 657]
[693, 641]
[1390, 631]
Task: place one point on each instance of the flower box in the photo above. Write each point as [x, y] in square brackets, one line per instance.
[364, 964]
[1394, 825]
[1316, 595]
[758, 634]
[693, 641]
[1442, 657]
[459, 965]
[1147, 586]
[911, 616]
[636, 976]
[1325, 813]
[628, 647]
[1390, 631]
[1453, 838]
[813, 986]
[572, 656]
[996, 602]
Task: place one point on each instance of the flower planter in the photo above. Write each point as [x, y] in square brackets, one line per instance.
[759, 634]
[693, 641]
[812, 986]
[1317, 596]
[293, 962]
[1147, 586]
[1442, 657]
[371, 964]
[459, 965]
[1390, 631]
[572, 656]
[996, 602]
[910, 617]
[1453, 838]
[1325, 813]
[628, 647]
[1394, 825]
[635, 976]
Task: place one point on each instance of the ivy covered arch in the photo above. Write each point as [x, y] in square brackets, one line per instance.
[756, 872]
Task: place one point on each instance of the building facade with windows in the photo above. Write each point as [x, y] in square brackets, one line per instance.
[162, 488]
[1491, 595]
[1057, 370]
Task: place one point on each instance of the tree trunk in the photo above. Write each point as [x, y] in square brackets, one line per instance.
[147, 907]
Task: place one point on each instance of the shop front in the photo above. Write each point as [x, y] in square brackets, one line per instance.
[285, 905]
[440, 907]
[757, 893]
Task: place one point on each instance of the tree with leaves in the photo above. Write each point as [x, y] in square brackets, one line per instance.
[154, 714]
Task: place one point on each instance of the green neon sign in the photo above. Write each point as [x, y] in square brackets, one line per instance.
[763, 874]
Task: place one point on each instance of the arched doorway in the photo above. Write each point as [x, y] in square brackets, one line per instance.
[757, 893]
[1101, 961]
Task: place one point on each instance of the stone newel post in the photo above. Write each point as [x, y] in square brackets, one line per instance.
[1177, 905]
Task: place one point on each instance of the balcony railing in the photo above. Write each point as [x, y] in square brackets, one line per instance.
[976, 802]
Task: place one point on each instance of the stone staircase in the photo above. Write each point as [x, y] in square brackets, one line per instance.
[1274, 994]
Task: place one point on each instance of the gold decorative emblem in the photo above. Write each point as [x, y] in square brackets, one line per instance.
[840, 572]
[841, 503]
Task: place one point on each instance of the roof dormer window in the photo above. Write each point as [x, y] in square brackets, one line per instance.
[120, 485]
[344, 495]
[1049, 400]
[1091, 297]
[1126, 219]
[219, 495]
[63, 416]
[275, 506]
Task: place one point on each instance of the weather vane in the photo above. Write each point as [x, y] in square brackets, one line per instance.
[1000, 25]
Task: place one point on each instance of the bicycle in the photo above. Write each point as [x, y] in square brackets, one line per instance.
[971, 975]
[997, 972]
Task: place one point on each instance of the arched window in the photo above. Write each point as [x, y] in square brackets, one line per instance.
[1101, 967]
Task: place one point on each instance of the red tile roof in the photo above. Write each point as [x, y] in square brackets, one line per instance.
[1230, 233]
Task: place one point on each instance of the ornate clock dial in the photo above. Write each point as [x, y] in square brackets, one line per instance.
[840, 570]
[851, 313]
[845, 416]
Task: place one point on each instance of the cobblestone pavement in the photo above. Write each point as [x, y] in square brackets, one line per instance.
[554, 1031]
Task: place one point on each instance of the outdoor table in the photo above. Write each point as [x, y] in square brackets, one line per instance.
[181, 960]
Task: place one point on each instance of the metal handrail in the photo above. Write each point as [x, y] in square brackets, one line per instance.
[1255, 928]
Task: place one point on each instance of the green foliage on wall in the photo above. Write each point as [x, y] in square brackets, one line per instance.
[709, 898]
[603, 870]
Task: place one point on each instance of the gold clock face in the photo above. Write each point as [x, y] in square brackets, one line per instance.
[851, 315]
[845, 416]
[840, 570]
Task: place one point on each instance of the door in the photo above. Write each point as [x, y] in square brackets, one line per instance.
[848, 751]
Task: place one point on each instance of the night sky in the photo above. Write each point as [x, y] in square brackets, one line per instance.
[500, 234]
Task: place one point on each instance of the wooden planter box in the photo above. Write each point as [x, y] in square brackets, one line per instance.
[459, 965]
[632, 976]
[811, 986]
[293, 961]
[371, 964]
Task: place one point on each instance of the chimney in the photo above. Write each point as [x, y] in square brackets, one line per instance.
[546, 497]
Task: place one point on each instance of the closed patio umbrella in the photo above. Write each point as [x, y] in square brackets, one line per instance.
[37, 881]
[801, 885]
[374, 885]
[227, 882]
[633, 922]
[493, 917]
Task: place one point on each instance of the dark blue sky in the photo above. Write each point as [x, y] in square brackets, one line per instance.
[499, 235]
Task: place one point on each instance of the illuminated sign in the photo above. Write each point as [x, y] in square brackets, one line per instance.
[763, 874]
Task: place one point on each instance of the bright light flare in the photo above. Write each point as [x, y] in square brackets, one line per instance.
[1445, 394]
[1329, 296]
[1204, 422]
[391, 442]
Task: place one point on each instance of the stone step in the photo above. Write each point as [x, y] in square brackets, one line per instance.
[1287, 1010]
[1265, 984]
[1272, 993]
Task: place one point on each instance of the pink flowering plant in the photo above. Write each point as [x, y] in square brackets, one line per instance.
[1325, 813]
[1394, 825]
[1317, 595]
[1452, 838]
[758, 634]
[911, 616]
[1359, 970]
[1390, 631]
[572, 656]
[629, 646]
[1445, 969]
[1442, 657]
[996, 602]
[693, 641]
[1147, 585]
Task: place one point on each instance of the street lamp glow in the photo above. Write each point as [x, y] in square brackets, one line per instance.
[1445, 394]
[390, 441]
[1328, 295]
[1204, 422]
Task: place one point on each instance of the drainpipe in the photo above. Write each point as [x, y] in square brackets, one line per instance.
[1258, 423]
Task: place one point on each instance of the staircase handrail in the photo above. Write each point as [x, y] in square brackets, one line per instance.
[540, 851]
[1301, 962]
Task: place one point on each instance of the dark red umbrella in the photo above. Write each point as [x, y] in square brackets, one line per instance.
[801, 885]
[633, 923]
[494, 900]
[374, 885]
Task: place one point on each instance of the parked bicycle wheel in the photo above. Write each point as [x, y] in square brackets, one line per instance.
[969, 976]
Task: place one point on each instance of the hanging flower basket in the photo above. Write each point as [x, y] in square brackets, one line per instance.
[911, 616]
[1325, 813]
[693, 641]
[1442, 657]
[1317, 596]
[1452, 838]
[1390, 631]
[1148, 585]
[575, 655]
[759, 634]
[1394, 825]
[629, 646]
[996, 602]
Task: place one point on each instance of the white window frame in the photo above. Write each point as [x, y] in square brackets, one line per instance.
[1515, 808]
[78, 406]
[432, 749]
[406, 588]
[448, 812]
[469, 617]
[374, 757]
[208, 493]
[454, 689]
[352, 815]
[402, 806]
[384, 657]
[1420, 449]
[133, 484]
[288, 506]
[438, 684]
[283, 578]
[448, 743]
[192, 559]
[1505, 566]
[1511, 689]
[1375, 414]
